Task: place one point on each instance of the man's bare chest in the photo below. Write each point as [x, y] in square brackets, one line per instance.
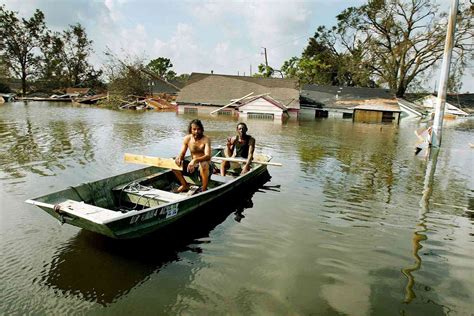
[196, 146]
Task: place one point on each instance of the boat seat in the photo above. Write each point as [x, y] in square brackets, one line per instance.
[156, 194]
[221, 179]
[87, 211]
[149, 196]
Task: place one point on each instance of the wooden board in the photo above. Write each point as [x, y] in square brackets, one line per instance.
[244, 160]
[168, 163]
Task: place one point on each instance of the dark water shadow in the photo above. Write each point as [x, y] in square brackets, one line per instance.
[99, 269]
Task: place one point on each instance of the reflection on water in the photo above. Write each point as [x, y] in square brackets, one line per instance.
[339, 229]
[420, 234]
[41, 150]
[101, 269]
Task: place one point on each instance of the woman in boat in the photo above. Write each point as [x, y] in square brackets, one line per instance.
[242, 145]
[200, 147]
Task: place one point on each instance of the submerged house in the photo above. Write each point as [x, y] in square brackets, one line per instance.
[243, 96]
[456, 104]
[158, 86]
[370, 105]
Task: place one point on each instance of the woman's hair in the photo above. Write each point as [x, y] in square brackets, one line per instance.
[196, 122]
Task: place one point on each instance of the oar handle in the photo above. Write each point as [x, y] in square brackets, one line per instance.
[230, 159]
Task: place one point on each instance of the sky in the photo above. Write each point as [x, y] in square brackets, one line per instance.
[227, 37]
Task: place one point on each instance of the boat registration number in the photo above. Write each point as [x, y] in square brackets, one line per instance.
[169, 211]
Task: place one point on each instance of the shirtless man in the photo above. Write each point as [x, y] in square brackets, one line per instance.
[244, 146]
[200, 147]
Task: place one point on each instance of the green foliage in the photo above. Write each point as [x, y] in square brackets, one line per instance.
[65, 62]
[19, 40]
[4, 88]
[161, 67]
[382, 43]
[55, 60]
[264, 71]
[126, 77]
[321, 63]
[182, 78]
[399, 40]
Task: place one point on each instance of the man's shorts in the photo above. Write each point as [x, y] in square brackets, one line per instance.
[196, 174]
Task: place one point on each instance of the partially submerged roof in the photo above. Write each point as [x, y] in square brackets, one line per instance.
[265, 97]
[215, 89]
[163, 86]
[379, 105]
[342, 97]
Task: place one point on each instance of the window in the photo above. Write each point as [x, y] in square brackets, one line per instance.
[321, 113]
[387, 117]
[190, 110]
[264, 116]
[346, 115]
[225, 112]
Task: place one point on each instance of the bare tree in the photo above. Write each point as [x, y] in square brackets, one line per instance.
[402, 38]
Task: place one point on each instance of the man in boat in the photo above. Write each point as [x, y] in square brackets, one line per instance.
[200, 147]
[242, 146]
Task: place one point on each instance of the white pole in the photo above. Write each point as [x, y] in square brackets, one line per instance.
[443, 84]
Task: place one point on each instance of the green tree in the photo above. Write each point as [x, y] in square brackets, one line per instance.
[65, 60]
[77, 50]
[126, 77]
[321, 63]
[161, 67]
[264, 71]
[182, 78]
[18, 41]
[398, 40]
[51, 68]
[384, 42]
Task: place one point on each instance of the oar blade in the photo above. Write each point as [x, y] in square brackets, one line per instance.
[167, 163]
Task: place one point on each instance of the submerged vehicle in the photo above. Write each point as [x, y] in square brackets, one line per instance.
[136, 203]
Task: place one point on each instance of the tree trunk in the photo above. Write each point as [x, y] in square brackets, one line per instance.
[401, 91]
[23, 83]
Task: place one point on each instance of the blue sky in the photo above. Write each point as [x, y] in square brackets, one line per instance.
[198, 36]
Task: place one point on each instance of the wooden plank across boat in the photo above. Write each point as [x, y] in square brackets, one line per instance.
[139, 202]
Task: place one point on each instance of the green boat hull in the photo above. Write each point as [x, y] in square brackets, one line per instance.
[112, 207]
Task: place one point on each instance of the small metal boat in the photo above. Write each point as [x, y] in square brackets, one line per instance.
[139, 202]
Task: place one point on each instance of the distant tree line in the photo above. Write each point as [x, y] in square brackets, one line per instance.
[131, 75]
[392, 43]
[42, 58]
[46, 61]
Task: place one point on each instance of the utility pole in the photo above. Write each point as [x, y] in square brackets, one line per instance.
[266, 60]
[443, 84]
[250, 70]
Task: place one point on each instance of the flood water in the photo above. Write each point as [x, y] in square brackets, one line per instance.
[353, 223]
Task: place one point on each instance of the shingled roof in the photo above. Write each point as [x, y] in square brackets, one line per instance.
[342, 97]
[464, 101]
[219, 90]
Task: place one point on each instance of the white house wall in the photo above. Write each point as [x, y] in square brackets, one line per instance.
[261, 106]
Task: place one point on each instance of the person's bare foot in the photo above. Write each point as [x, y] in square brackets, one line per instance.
[182, 188]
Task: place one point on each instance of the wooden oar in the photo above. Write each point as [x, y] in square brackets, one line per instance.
[168, 163]
[230, 159]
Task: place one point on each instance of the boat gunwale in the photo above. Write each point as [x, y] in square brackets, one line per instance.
[185, 198]
[121, 216]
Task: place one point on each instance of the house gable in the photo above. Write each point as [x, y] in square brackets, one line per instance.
[219, 90]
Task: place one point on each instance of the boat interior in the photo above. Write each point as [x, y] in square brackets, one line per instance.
[136, 190]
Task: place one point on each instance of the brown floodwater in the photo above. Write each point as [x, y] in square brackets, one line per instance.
[353, 223]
